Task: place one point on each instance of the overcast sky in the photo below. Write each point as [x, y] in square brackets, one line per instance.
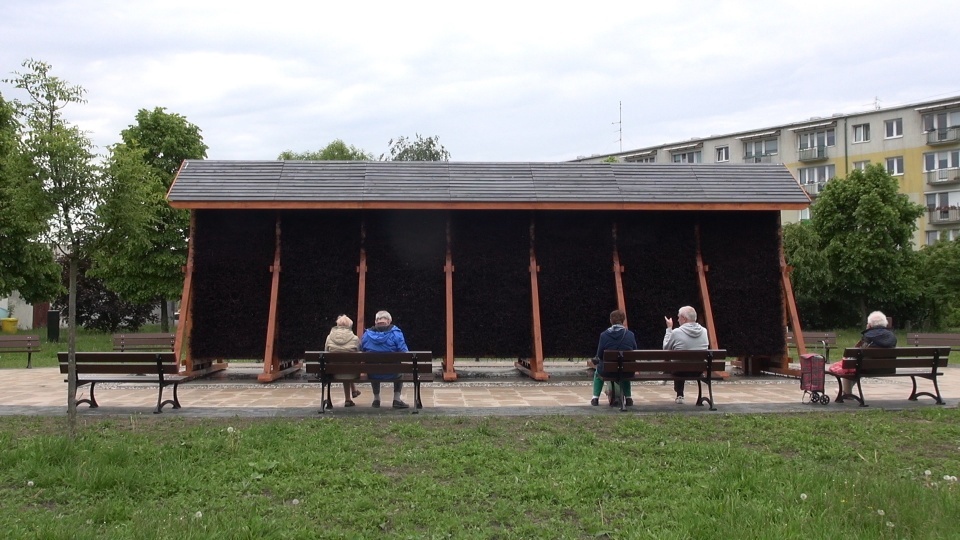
[496, 81]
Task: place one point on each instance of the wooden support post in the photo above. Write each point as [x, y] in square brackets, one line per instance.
[362, 283]
[617, 276]
[533, 367]
[702, 270]
[449, 373]
[793, 316]
[272, 370]
[185, 321]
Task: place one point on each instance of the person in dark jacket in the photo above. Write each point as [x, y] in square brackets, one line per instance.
[384, 336]
[876, 335]
[615, 338]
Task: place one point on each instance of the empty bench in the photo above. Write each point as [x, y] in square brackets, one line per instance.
[338, 367]
[913, 362]
[20, 344]
[159, 368]
[143, 342]
[935, 340]
[813, 341]
[660, 365]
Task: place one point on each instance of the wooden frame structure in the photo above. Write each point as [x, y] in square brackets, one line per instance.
[275, 367]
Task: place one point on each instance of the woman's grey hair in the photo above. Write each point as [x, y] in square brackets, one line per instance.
[877, 320]
[383, 314]
[344, 321]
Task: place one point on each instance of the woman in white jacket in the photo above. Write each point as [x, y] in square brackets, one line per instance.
[342, 339]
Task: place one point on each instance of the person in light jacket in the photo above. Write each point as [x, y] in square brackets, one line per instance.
[342, 339]
[688, 336]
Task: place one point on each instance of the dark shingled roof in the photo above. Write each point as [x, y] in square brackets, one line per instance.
[401, 184]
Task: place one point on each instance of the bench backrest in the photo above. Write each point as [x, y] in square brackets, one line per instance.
[376, 363]
[899, 357]
[113, 363]
[819, 339]
[20, 343]
[659, 360]
[928, 340]
[126, 342]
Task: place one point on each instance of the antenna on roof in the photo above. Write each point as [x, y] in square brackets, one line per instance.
[876, 102]
[620, 129]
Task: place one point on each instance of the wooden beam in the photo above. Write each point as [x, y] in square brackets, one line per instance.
[185, 321]
[449, 374]
[617, 276]
[483, 205]
[534, 366]
[271, 364]
[362, 283]
[791, 305]
[702, 270]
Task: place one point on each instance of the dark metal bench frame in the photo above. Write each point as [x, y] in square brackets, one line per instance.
[21, 344]
[867, 361]
[413, 366]
[160, 368]
[660, 365]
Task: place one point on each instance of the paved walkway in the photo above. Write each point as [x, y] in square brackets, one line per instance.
[494, 390]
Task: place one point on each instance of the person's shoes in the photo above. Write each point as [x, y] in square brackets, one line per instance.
[679, 400]
[348, 403]
[629, 402]
[355, 393]
[376, 403]
[595, 401]
[399, 404]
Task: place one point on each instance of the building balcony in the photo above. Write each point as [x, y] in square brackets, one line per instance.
[759, 158]
[943, 177]
[814, 189]
[814, 153]
[941, 216]
[949, 135]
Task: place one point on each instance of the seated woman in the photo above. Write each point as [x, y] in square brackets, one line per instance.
[342, 339]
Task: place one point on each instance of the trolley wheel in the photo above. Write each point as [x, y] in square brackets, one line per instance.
[824, 399]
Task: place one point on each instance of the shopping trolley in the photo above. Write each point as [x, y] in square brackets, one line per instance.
[811, 378]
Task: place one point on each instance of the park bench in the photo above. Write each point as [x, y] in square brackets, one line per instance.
[21, 344]
[337, 367]
[140, 367]
[823, 341]
[913, 362]
[143, 342]
[935, 340]
[660, 365]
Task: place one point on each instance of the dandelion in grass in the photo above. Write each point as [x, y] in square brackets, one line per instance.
[29, 483]
[295, 502]
[803, 496]
[927, 472]
[198, 515]
[230, 429]
[890, 524]
[881, 512]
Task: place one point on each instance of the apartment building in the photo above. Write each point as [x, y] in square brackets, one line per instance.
[919, 144]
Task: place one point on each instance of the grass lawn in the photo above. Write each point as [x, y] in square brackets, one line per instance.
[814, 475]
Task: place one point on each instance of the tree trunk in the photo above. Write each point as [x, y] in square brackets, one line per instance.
[164, 317]
[72, 348]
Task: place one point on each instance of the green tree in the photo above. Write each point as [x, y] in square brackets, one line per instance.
[63, 182]
[142, 241]
[101, 309]
[863, 228]
[939, 264]
[27, 265]
[335, 151]
[418, 149]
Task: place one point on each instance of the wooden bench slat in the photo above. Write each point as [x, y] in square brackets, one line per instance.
[658, 365]
[146, 369]
[657, 354]
[125, 342]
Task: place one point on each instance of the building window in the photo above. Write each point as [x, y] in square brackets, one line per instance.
[894, 128]
[688, 157]
[861, 165]
[648, 159]
[932, 237]
[723, 154]
[817, 139]
[861, 133]
[758, 149]
[941, 120]
[805, 214]
[935, 161]
[938, 200]
[895, 165]
[817, 175]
